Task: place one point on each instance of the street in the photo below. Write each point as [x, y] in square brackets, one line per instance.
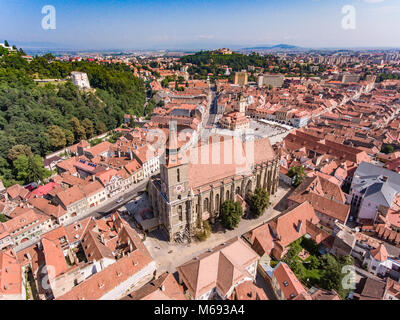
[98, 212]
[112, 203]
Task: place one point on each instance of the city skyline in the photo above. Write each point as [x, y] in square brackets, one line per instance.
[175, 24]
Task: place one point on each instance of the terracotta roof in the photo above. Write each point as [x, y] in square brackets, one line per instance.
[99, 148]
[109, 278]
[288, 282]
[370, 289]
[17, 191]
[285, 228]
[380, 253]
[47, 207]
[10, 274]
[75, 231]
[325, 197]
[71, 195]
[222, 267]
[206, 165]
[248, 291]
[165, 287]
[94, 247]
[54, 257]
[28, 218]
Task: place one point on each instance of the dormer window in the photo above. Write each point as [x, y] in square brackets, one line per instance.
[285, 283]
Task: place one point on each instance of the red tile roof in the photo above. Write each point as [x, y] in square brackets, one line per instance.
[288, 282]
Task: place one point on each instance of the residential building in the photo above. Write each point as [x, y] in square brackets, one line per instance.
[374, 188]
[284, 282]
[215, 273]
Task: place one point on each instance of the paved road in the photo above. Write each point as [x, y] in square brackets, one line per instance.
[113, 205]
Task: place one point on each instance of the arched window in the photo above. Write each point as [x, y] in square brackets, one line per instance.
[205, 204]
[217, 202]
[180, 213]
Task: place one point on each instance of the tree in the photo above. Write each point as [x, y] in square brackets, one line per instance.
[387, 148]
[30, 169]
[57, 137]
[69, 137]
[101, 127]
[77, 129]
[6, 43]
[153, 64]
[259, 201]
[19, 150]
[205, 233]
[298, 173]
[132, 123]
[165, 82]
[231, 213]
[88, 125]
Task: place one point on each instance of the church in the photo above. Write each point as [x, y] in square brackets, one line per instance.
[193, 183]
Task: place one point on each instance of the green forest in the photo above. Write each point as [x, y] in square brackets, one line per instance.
[37, 118]
[236, 61]
[205, 62]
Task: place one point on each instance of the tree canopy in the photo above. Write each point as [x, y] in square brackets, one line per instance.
[259, 201]
[298, 173]
[47, 117]
[231, 213]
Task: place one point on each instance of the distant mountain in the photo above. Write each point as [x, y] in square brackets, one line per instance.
[275, 47]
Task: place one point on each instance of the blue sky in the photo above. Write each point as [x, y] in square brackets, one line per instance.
[172, 24]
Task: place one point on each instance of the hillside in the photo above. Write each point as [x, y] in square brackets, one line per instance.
[49, 117]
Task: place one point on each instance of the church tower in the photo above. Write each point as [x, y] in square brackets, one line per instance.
[174, 174]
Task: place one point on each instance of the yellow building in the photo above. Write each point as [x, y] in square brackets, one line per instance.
[240, 78]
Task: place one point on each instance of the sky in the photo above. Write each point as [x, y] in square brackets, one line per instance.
[200, 24]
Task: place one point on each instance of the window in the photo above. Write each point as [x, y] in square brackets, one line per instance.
[285, 283]
[180, 213]
[292, 295]
[178, 175]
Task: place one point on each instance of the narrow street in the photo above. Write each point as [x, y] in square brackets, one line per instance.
[98, 212]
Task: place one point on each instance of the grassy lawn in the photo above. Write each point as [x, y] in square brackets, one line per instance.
[307, 270]
[316, 268]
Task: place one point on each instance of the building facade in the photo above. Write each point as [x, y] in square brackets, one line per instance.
[185, 194]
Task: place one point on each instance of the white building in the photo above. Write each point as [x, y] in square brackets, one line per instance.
[80, 79]
[373, 187]
[379, 262]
